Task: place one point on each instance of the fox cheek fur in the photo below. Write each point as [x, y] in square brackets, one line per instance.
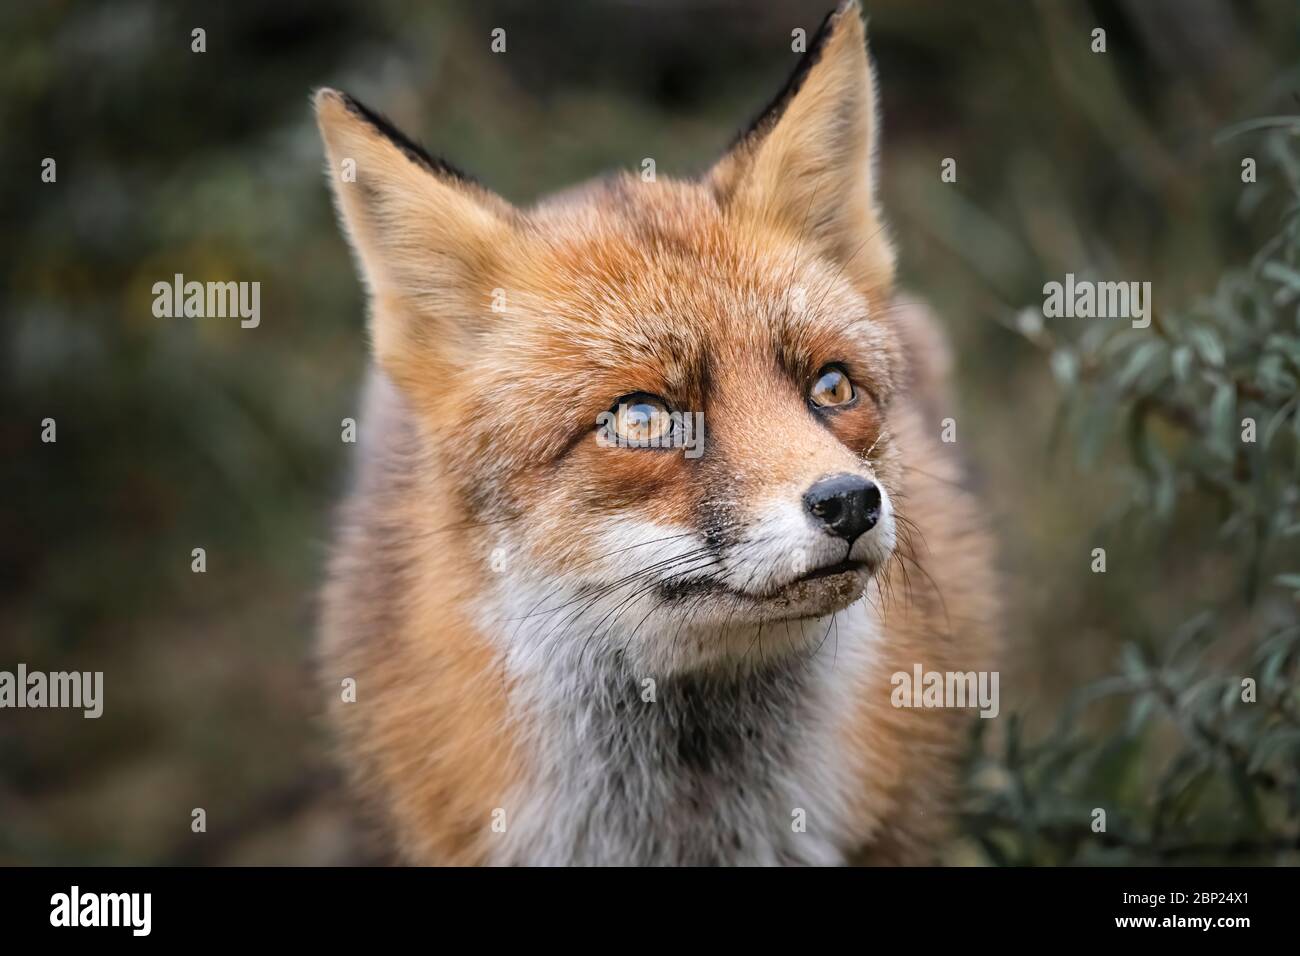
[569, 650]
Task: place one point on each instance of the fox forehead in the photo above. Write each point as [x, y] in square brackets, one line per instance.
[649, 287]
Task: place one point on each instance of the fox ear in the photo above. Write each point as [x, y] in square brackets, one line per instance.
[806, 165]
[427, 239]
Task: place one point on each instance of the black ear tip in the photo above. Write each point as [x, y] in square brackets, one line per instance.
[385, 127]
[770, 114]
[324, 96]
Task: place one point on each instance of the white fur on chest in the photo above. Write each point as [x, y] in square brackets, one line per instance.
[625, 768]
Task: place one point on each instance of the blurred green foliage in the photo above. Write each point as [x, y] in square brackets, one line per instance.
[175, 434]
[1200, 762]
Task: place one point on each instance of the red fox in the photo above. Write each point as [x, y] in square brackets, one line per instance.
[651, 504]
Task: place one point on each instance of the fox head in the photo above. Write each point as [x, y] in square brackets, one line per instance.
[663, 408]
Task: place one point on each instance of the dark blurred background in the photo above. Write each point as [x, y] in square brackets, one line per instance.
[182, 433]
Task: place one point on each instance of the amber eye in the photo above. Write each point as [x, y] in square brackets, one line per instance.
[640, 419]
[831, 388]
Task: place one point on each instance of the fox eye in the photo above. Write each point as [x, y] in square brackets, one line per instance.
[641, 419]
[832, 387]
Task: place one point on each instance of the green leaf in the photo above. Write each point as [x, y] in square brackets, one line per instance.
[1281, 743]
[1140, 360]
[1207, 344]
[1284, 275]
[1276, 422]
[1065, 368]
[1223, 425]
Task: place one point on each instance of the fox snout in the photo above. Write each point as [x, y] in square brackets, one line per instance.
[845, 506]
[811, 549]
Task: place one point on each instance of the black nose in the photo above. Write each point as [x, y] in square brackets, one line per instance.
[846, 505]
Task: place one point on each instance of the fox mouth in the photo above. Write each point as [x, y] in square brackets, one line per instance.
[828, 584]
[826, 571]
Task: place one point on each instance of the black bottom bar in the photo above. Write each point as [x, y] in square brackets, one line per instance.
[335, 906]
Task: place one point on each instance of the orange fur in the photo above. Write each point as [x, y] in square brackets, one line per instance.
[680, 289]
